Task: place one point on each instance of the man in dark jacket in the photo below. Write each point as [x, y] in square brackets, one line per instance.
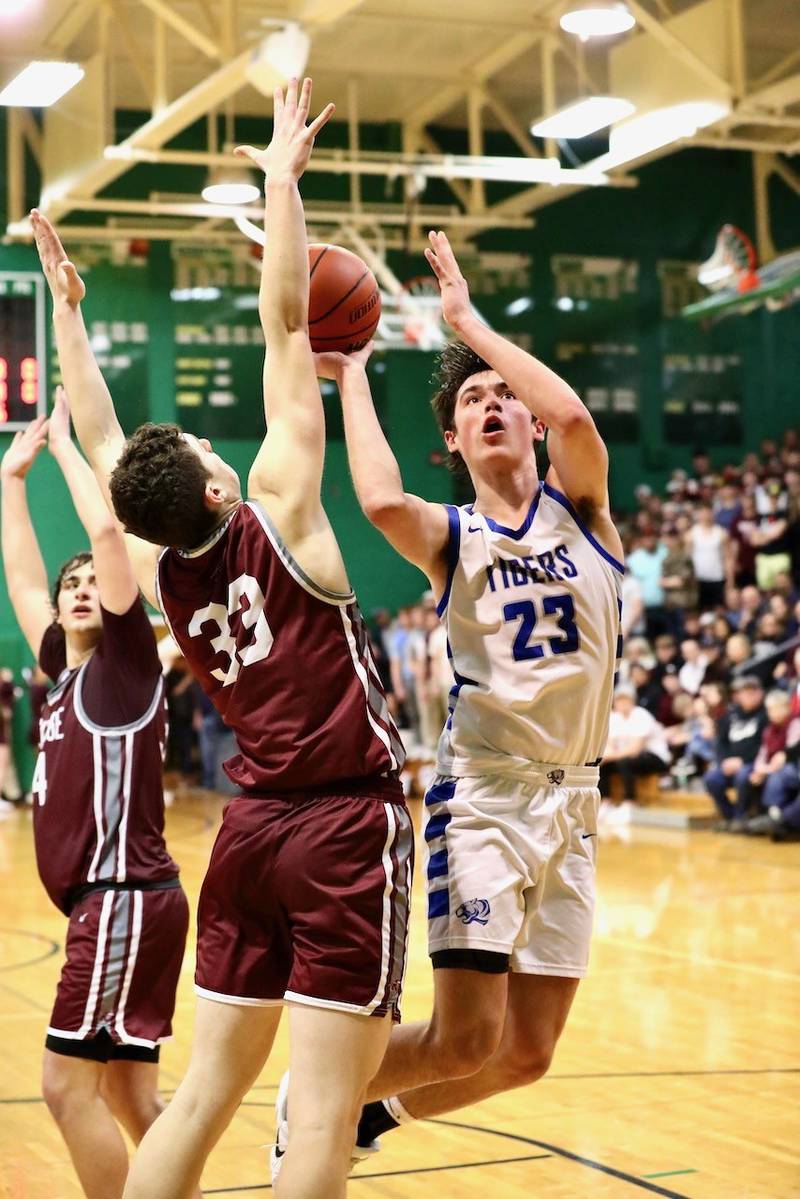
[739, 736]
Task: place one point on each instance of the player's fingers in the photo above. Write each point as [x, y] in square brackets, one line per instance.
[304, 103]
[434, 264]
[322, 119]
[290, 103]
[246, 152]
[277, 104]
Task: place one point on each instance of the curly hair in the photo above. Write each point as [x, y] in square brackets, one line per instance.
[73, 563]
[457, 362]
[158, 488]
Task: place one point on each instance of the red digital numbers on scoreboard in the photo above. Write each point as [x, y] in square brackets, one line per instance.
[29, 381]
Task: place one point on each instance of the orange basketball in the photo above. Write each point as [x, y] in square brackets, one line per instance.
[344, 304]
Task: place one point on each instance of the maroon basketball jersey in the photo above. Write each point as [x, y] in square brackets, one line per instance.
[285, 662]
[98, 808]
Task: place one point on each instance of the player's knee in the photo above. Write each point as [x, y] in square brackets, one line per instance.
[464, 1051]
[524, 1061]
[62, 1093]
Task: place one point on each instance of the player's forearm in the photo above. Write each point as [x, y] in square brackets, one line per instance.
[22, 558]
[92, 510]
[96, 423]
[373, 466]
[283, 296]
[543, 392]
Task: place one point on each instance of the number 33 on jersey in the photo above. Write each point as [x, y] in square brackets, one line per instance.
[533, 623]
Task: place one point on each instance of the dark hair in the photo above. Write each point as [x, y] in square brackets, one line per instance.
[73, 563]
[158, 488]
[457, 362]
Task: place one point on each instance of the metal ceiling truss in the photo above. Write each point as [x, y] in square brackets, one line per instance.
[763, 106]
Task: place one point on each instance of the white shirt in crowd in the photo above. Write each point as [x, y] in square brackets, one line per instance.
[691, 674]
[707, 547]
[625, 732]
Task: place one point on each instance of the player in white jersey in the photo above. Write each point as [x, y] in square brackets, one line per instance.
[529, 580]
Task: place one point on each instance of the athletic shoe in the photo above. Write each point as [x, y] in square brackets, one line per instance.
[281, 1128]
[759, 826]
[784, 832]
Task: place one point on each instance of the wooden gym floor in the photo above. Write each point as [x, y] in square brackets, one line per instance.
[678, 1074]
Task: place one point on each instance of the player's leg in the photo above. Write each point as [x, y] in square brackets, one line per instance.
[333, 1055]
[71, 1089]
[231, 1044]
[130, 1088]
[536, 1013]
[463, 1033]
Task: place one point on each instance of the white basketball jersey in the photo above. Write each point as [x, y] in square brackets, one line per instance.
[533, 624]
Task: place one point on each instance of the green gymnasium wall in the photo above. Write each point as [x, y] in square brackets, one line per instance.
[670, 218]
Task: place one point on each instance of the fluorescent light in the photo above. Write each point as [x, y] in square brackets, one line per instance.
[653, 130]
[565, 303]
[602, 19]
[230, 185]
[584, 117]
[41, 84]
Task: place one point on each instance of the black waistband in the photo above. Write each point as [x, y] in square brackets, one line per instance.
[164, 884]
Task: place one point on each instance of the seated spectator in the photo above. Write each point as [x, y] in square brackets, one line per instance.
[666, 712]
[771, 757]
[696, 737]
[781, 794]
[636, 743]
[739, 734]
[738, 650]
[667, 656]
[693, 671]
[648, 691]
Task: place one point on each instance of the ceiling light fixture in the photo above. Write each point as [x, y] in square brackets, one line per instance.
[584, 117]
[230, 185]
[597, 18]
[40, 84]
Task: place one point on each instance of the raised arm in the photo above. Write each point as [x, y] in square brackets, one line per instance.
[417, 529]
[96, 425]
[112, 568]
[575, 448]
[26, 577]
[288, 467]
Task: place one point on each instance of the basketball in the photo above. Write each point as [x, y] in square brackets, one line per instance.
[344, 304]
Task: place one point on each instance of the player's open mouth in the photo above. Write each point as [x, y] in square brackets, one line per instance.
[493, 424]
[81, 610]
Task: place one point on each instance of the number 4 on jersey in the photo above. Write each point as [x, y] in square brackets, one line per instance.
[39, 784]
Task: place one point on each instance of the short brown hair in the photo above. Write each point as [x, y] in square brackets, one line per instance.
[73, 563]
[158, 488]
[457, 362]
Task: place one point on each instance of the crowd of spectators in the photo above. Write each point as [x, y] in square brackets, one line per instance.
[709, 687]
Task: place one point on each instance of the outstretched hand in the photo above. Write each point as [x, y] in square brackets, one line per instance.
[62, 278]
[332, 365]
[24, 449]
[59, 430]
[288, 153]
[452, 284]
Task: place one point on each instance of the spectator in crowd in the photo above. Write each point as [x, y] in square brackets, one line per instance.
[646, 563]
[693, 670]
[678, 580]
[770, 759]
[728, 506]
[636, 743]
[694, 739]
[781, 794]
[180, 703]
[667, 656]
[739, 735]
[709, 546]
[648, 691]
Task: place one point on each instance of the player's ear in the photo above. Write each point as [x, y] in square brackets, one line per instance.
[539, 429]
[215, 495]
[451, 440]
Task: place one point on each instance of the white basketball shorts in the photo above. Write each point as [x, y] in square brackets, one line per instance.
[511, 866]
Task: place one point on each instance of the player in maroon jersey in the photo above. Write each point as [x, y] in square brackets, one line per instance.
[306, 897]
[98, 818]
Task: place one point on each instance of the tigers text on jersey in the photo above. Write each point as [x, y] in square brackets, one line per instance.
[98, 803]
[533, 624]
[285, 662]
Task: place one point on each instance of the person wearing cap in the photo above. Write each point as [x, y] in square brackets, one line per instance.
[636, 746]
[739, 735]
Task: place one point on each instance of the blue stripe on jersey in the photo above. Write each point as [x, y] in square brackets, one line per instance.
[564, 502]
[440, 792]
[455, 691]
[453, 548]
[438, 903]
[436, 826]
[437, 864]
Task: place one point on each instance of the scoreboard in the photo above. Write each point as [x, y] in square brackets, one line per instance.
[23, 377]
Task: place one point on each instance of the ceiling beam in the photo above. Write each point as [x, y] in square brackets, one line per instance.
[777, 70]
[187, 29]
[676, 47]
[323, 12]
[510, 123]
[68, 27]
[479, 72]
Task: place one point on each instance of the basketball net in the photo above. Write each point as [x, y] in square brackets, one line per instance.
[412, 318]
[733, 263]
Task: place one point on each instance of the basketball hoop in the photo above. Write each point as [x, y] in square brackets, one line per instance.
[733, 263]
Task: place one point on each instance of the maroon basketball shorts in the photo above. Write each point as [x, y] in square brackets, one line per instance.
[306, 900]
[124, 954]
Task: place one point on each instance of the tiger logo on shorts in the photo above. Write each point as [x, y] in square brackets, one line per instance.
[474, 911]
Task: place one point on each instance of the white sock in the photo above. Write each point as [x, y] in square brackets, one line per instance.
[396, 1110]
